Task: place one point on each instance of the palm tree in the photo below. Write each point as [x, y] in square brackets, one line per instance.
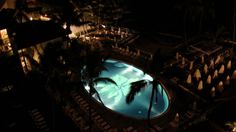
[86, 65]
[196, 15]
[53, 68]
[92, 68]
[234, 21]
[50, 58]
[135, 87]
[74, 66]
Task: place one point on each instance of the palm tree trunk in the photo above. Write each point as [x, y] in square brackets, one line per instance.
[234, 20]
[90, 110]
[185, 28]
[53, 117]
[150, 105]
[201, 23]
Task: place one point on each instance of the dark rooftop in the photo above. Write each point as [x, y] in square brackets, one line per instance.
[6, 16]
[34, 32]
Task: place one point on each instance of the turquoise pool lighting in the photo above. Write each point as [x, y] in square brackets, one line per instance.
[114, 97]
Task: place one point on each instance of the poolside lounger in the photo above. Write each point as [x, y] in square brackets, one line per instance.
[130, 129]
[80, 123]
[34, 110]
[85, 105]
[107, 127]
[151, 130]
[99, 120]
[86, 128]
[35, 113]
[103, 124]
[74, 93]
[97, 117]
[83, 102]
[41, 123]
[94, 114]
[66, 107]
[111, 130]
[37, 116]
[87, 108]
[40, 119]
[77, 97]
[158, 128]
[46, 130]
[78, 119]
[71, 110]
[43, 126]
[74, 115]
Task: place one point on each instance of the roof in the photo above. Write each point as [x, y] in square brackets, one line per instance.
[6, 17]
[35, 32]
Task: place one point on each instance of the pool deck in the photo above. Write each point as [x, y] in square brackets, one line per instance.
[120, 122]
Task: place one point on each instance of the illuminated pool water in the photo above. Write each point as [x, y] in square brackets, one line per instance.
[114, 97]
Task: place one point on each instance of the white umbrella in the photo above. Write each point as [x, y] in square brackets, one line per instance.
[229, 64]
[212, 64]
[217, 60]
[205, 69]
[222, 69]
[183, 61]
[202, 59]
[197, 74]
[213, 92]
[200, 85]
[227, 81]
[221, 86]
[209, 79]
[234, 75]
[215, 74]
[191, 65]
[189, 79]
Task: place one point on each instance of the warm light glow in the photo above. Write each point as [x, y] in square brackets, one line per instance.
[64, 26]
[72, 35]
[200, 85]
[44, 18]
[189, 79]
[234, 129]
[103, 26]
[6, 45]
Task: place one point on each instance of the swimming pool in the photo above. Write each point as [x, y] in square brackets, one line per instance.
[114, 97]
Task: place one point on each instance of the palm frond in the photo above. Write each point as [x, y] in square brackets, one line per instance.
[99, 69]
[99, 98]
[105, 80]
[135, 87]
[139, 82]
[129, 98]
[92, 90]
